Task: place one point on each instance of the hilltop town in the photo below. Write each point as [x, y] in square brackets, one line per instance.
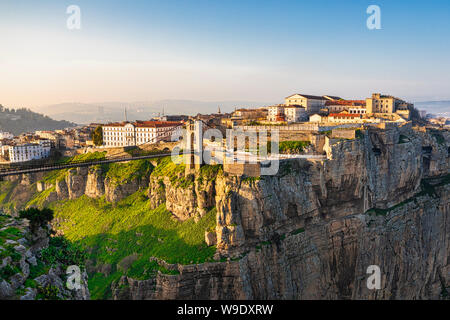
[299, 115]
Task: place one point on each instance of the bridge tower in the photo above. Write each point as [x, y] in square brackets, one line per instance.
[194, 146]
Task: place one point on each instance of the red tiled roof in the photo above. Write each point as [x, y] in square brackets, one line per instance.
[156, 124]
[146, 124]
[350, 115]
[308, 96]
[346, 103]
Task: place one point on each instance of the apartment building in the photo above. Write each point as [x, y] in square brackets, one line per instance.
[123, 134]
[309, 102]
[295, 113]
[275, 112]
[26, 152]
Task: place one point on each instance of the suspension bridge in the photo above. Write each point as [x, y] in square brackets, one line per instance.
[24, 168]
[236, 156]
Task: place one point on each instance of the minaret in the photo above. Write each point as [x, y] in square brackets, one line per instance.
[126, 117]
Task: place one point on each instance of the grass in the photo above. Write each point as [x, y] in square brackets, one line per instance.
[251, 179]
[129, 171]
[57, 175]
[293, 146]
[6, 191]
[10, 233]
[175, 172]
[62, 251]
[209, 172]
[39, 198]
[114, 232]
[136, 151]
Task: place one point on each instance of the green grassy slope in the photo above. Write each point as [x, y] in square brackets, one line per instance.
[122, 237]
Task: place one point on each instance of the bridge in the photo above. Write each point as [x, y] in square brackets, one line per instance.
[117, 156]
[42, 168]
[194, 142]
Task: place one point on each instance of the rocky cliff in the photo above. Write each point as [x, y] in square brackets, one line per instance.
[312, 230]
[308, 232]
[32, 266]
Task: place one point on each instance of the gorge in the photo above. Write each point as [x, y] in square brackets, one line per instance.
[308, 232]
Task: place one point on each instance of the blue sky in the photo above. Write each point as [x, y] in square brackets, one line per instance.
[221, 50]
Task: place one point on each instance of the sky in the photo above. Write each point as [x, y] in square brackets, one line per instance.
[221, 50]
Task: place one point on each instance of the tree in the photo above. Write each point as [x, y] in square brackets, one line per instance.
[37, 217]
[97, 136]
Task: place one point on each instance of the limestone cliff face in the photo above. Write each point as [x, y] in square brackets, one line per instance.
[311, 231]
[327, 260]
[192, 198]
[374, 171]
[115, 192]
[93, 183]
[181, 201]
[95, 186]
[76, 182]
[157, 191]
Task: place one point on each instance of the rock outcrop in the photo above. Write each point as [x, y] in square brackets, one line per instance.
[312, 230]
[23, 275]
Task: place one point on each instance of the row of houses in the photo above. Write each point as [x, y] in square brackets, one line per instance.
[300, 107]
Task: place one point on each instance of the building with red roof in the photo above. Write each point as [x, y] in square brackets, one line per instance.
[123, 134]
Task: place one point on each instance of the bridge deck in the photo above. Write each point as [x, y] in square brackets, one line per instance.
[233, 156]
[14, 171]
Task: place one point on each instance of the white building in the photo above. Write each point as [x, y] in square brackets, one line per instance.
[315, 118]
[274, 111]
[309, 102]
[357, 110]
[294, 113]
[26, 152]
[344, 117]
[125, 134]
[6, 135]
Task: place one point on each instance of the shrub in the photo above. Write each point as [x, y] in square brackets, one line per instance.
[48, 292]
[37, 217]
[60, 250]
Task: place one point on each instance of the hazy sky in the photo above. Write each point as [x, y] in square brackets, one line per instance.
[221, 50]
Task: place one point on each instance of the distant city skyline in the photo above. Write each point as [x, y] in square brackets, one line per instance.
[221, 50]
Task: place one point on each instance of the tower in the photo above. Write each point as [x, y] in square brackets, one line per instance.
[194, 146]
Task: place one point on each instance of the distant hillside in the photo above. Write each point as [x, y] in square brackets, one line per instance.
[18, 121]
[115, 111]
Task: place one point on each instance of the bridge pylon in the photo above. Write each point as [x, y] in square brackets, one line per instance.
[194, 147]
